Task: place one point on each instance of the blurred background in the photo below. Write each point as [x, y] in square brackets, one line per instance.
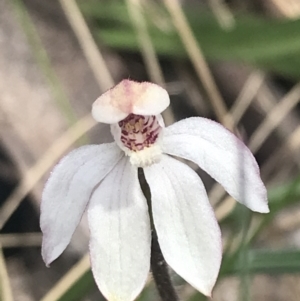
[234, 61]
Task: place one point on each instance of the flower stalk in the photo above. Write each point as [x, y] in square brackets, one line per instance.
[159, 266]
[160, 273]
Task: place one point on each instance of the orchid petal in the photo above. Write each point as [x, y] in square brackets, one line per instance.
[120, 234]
[222, 155]
[130, 97]
[188, 233]
[68, 191]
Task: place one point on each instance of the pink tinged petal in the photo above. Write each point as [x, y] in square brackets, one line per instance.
[130, 97]
[120, 234]
[222, 155]
[188, 233]
[68, 191]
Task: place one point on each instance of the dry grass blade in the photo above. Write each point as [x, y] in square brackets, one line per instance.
[222, 13]
[34, 174]
[147, 50]
[43, 61]
[197, 58]
[225, 208]
[291, 145]
[277, 114]
[5, 288]
[289, 9]
[146, 46]
[68, 280]
[246, 96]
[267, 101]
[17, 240]
[264, 130]
[89, 47]
[274, 118]
[242, 102]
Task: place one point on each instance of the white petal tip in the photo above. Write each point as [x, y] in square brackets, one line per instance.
[259, 205]
[49, 255]
[47, 260]
[130, 97]
[206, 291]
[209, 295]
[263, 209]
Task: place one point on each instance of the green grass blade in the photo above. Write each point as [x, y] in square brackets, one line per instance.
[270, 44]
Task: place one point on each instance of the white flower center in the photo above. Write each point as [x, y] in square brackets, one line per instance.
[139, 137]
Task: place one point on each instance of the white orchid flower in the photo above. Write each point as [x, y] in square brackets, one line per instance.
[103, 179]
